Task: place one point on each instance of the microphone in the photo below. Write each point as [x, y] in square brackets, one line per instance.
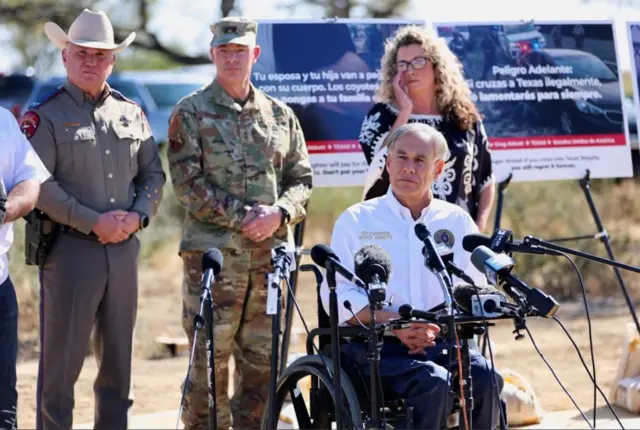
[407, 312]
[282, 261]
[434, 262]
[324, 257]
[211, 265]
[482, 301]
[497, 267]
[281, 258]
[497, 243]
[373, 266]
[446, 254]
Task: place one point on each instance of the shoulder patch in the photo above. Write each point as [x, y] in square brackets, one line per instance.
[29, 123]
[48, 97]
[120, 96]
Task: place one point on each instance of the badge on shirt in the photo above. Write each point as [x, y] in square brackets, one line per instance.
[124, 121]
[29, 123]
[446, 237]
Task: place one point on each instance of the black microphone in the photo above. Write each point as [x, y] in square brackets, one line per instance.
[324, 257]
[373, 266]
[497, 267]
[496, 244]
[482, 301]
[434, 262]
[446, 254]
[407, 312]
[211, 265]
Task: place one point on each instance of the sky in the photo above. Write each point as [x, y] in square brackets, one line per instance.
[190, 28]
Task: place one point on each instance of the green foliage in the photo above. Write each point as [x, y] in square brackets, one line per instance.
[140, 59]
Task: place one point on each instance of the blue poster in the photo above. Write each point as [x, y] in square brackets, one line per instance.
[633, 33]
[550, 94]
[327, 72]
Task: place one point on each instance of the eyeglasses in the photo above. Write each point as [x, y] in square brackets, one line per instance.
[417, 63]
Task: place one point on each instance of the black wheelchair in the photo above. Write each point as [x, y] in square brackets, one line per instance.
[318, 412]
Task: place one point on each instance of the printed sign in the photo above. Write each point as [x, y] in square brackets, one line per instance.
[633, 32]
[327, 72]
[551, 96]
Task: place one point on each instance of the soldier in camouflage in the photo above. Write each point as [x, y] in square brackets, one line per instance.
[239, 165]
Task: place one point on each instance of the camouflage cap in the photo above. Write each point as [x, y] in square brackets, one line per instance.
[239, 30]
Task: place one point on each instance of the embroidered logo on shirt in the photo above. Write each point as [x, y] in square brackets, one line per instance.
[375, 235]
[124, 120]
[446, 237]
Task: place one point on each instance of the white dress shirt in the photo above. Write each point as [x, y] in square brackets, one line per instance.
[18, 162]
[385, 222]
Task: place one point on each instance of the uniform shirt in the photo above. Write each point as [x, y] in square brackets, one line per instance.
[224, 157]
[385, 222]
[18, 163]
[101, 154]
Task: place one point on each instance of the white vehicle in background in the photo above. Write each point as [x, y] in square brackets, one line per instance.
[518, 39]
[165, 88]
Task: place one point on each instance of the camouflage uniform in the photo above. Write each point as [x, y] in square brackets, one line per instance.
[225, 158]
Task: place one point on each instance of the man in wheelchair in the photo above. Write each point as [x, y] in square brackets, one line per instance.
[413, 361]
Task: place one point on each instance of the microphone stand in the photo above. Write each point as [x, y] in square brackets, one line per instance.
[204, 318]
[274, 305]
[450, 335]
[377, 299]
[335, 341]
[535, 242]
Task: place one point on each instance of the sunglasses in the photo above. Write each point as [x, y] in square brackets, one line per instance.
[417, 63]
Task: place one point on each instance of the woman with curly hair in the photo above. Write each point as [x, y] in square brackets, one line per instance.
[422, 81]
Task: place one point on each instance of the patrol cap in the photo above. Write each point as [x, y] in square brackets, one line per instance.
[238, 30]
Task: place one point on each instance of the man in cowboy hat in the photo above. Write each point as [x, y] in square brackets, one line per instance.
[240, 167]
[106, 184]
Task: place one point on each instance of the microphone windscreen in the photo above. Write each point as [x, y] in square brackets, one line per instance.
[480, 255]
[421, 231]
[212, 259]
[405, 311]
[472, 241]
[372, 259]
[463, 294]
[320, 253]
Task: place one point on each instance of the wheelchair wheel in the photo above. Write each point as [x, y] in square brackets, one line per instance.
[316, 411]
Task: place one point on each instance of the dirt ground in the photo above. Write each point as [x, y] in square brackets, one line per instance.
[157, 377]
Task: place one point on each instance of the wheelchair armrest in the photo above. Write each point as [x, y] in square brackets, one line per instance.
[343, 332]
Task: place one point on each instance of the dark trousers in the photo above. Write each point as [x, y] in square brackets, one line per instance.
[85, 284]
[8, 356]
[421, 380]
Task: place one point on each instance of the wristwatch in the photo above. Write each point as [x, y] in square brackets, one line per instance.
[144, 220]
[285, 217]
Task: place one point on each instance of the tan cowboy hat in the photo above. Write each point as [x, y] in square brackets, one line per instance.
[90, 29]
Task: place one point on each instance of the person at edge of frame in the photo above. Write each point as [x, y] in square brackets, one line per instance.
[21, 175]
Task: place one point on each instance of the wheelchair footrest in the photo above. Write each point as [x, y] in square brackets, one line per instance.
[410, 423]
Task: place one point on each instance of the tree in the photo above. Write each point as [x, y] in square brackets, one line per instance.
[25, 18]
[348, 8]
